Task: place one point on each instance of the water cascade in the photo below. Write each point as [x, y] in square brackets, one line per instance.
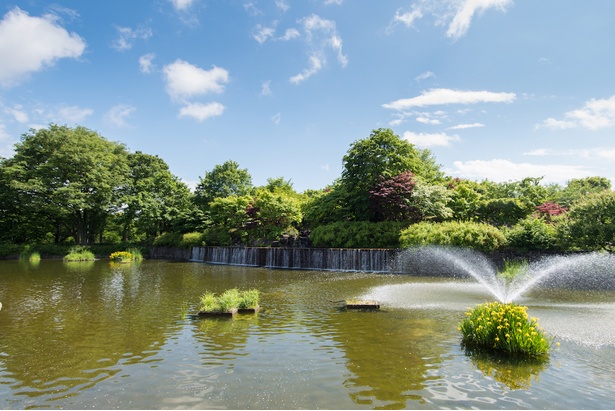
[328, 259]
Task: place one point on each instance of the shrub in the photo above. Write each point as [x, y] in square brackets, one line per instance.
[359, 234]
[504, 327]
[79, 253]
[168, 240]
[479, 236]
[209, 303]
[229, 300]
[532, 233]
[193, 239]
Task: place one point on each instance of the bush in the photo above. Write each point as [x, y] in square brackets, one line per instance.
[248, 299]
[359, 234]
[121, 256]
[79, 253]
[479, 236]
[532, 233]
[504, 327]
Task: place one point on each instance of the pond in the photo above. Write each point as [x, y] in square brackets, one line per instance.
[103, 336]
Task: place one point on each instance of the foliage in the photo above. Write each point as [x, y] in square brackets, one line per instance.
[513, 269]
[391, 199]
[504, 327]
[327, 206]
[248, 299]
[229, 300]
[578, 189]
[465, 197]
[66, 180]
[154, 199]
[533, 233]
[79, 253]
[179, 240]
[224, 180]
[30, 256]
[548, 210]
[502, 211]
[382, 155]
[121, 256]
[136, 253]
[431, 201]
[591, 222]
[358, 234]
[272, 214]
[479, 236]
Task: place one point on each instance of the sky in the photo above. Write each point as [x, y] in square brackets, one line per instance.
[496, 89]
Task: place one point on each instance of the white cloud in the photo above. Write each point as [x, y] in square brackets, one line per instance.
[277, 118]
[200, 111]
[466, 11]
[500, 170]
[28, 44]
[430, 139]
[337, 2]
[456, 14]
[407, 18]
[126, 36]
[466, 126]
[262, 34]
[428, 120]
[594, 115]
[424, 76]
[266, 88]
[146, 63]
[74, 114]
[447, 96]
[18, 114]
[185, 80]
[282, 5]
[290, 34]
[314, 67]
[321, 34]
[118, 114]
[182, 5]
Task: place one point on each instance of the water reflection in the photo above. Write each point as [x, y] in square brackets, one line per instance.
[116, 336]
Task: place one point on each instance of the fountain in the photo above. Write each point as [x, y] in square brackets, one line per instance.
[578, 271]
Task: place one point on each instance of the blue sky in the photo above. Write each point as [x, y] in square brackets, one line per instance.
[496, 89]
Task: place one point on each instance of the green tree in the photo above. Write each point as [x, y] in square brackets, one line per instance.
[67, 178]
[223, 181]
[591, 222]
[579, 188]
[154, 198]
[381, 156]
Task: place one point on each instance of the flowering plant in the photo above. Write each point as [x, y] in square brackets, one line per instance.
[504, 327]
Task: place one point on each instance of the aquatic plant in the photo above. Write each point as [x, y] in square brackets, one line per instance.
[136, 253]
[209, 303]
[79, 253]
[504, 327]
[513, 269]
[248, 299]
[121, 256]
[229, 300]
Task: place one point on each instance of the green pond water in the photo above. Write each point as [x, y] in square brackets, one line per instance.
[104, 336]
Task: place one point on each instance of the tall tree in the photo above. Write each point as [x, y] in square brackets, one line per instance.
[224, 180]
[381, 156]
[153, 197]
[69, 176]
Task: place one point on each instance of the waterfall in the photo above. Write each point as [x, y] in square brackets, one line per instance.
[327, 259]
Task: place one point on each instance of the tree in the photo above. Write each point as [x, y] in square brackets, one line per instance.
[591, 222]
[381, 156]
[391, 199]
[579, 188]
[154, 198]
[68, 179]
[224, 180]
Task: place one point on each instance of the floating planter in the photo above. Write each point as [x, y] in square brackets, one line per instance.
[362, 304]
[228, 303]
